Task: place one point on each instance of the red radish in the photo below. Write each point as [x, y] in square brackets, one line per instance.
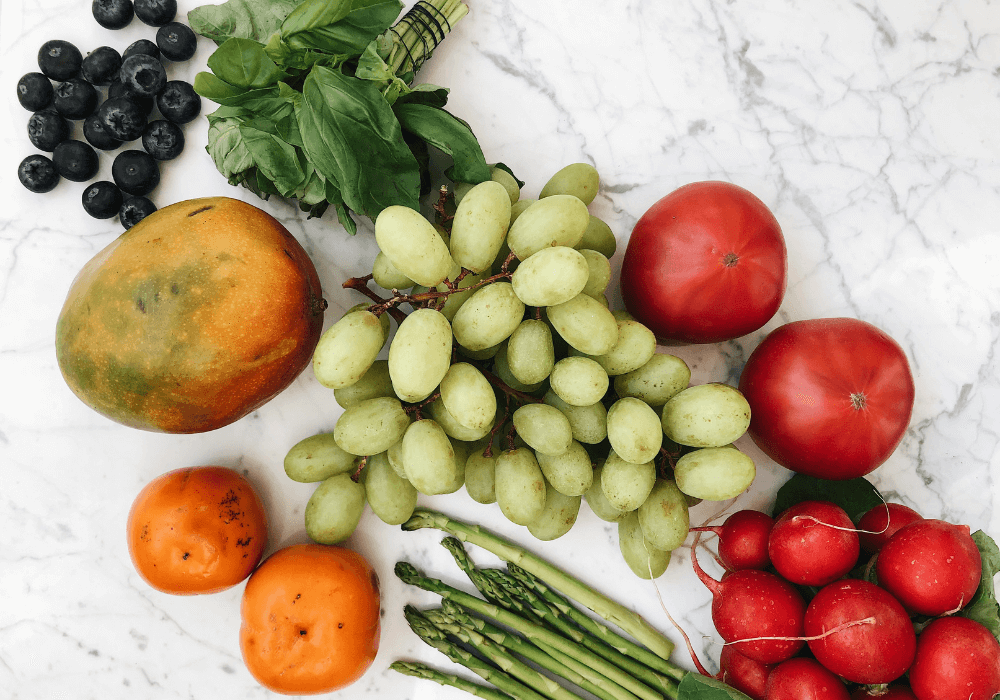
[882, 522]
[957, 659]
[743, 673]
[878, 649]
[756, 611]
[931, 566]
[743, 540]
[879, 692]
[803, 678]
[813, 543]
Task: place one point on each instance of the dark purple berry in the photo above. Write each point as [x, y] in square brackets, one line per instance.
[118, 89]
[156, 13]
[143, 75]
[122, 118]
[47, 129]
[102, 199]
[75, 98]
[97, 135]
[101, 66]
[178, 102]
[143, 47]
[59, 60]
[113, 14]
[176, 41]
[134, 210]
[163, 140]
[135, 172]
[34, 91]
[38, 173]
[75, 160]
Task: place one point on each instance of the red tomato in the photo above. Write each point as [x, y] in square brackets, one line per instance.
[706, 263]
[828, 397]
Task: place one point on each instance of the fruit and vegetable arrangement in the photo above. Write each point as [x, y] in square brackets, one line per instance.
[485, 357]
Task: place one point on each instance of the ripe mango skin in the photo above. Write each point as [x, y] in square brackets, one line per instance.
[194, 317]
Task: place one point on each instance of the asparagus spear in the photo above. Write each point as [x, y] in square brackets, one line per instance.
[613, 612]
[419, 670]
[592, 626]
[409, 574]
[437, 639]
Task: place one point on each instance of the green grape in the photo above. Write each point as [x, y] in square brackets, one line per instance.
[429, 458]
[635, 347]
[544, 428]
[645, 560]
[371, 426]
[570, 473]
[579, 381]
[509, 182]
[656, 382]
[598, 502]
[485, 354]
[395, 456]
[461, 450]
[551, 276]
[451, 426]
[347, 349]
[413, 245]
[599, 237]
[479, 226]
[385, 274]
[468, 396]
[488, 317]
[714, 473]
[391, 497]
[559, 220]
[334, 509]
[480, 476]
[588, 423]
[585, 323]
[530, 353]
[501, 367]
[558, 515]
[383, 319]
[599, 274]
[706, 415]
[626, 484]
[374, 383]
[517, 208]
[634, 430]
[420, 354]
[580, 180]
[520, 486]
[317, 458]
[663, 516]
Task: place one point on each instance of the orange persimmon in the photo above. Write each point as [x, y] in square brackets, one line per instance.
[196, 530]
[310, 619]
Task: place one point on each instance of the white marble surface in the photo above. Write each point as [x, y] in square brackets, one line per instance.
[869, 128]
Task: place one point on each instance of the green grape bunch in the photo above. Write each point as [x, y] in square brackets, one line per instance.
[509, 375]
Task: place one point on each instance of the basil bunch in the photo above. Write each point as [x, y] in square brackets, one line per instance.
[317, 102]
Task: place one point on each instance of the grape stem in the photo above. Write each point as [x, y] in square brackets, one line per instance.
[362, 463]
[360, 284]
[415, 408]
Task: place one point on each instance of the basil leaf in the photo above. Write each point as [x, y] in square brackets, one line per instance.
[856, 496]
[344, 27]
[218, 91]
[449, 134]
[371, 65]
[212, 88]
[244, 64]
[506, 169]
[225, 145]
[983, 608]
[274, 158]
[351, 135]
[426, 94]
[244, 19]
[694, 686]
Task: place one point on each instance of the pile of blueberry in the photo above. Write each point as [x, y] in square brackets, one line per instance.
[136, 82]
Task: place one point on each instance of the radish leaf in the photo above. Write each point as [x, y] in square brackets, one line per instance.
[856, 496]
[984, 608]
[697, 687]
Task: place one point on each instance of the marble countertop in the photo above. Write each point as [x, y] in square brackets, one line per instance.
[869, 129]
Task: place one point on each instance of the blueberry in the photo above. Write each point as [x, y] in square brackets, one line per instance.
[156, 13]
[34, 91]
[143, 47]
[47, 129]
[143, 75]
[163, 140]
[75, 160]
[176, 41]
[113, 14]
[97, 135]
[59, 60]
[76, 98]
[118, 89]
[102, 199]
[179, 102]
[101, 66]
[135, 172]
[37, 173]
[122, 118]
[134, 210]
